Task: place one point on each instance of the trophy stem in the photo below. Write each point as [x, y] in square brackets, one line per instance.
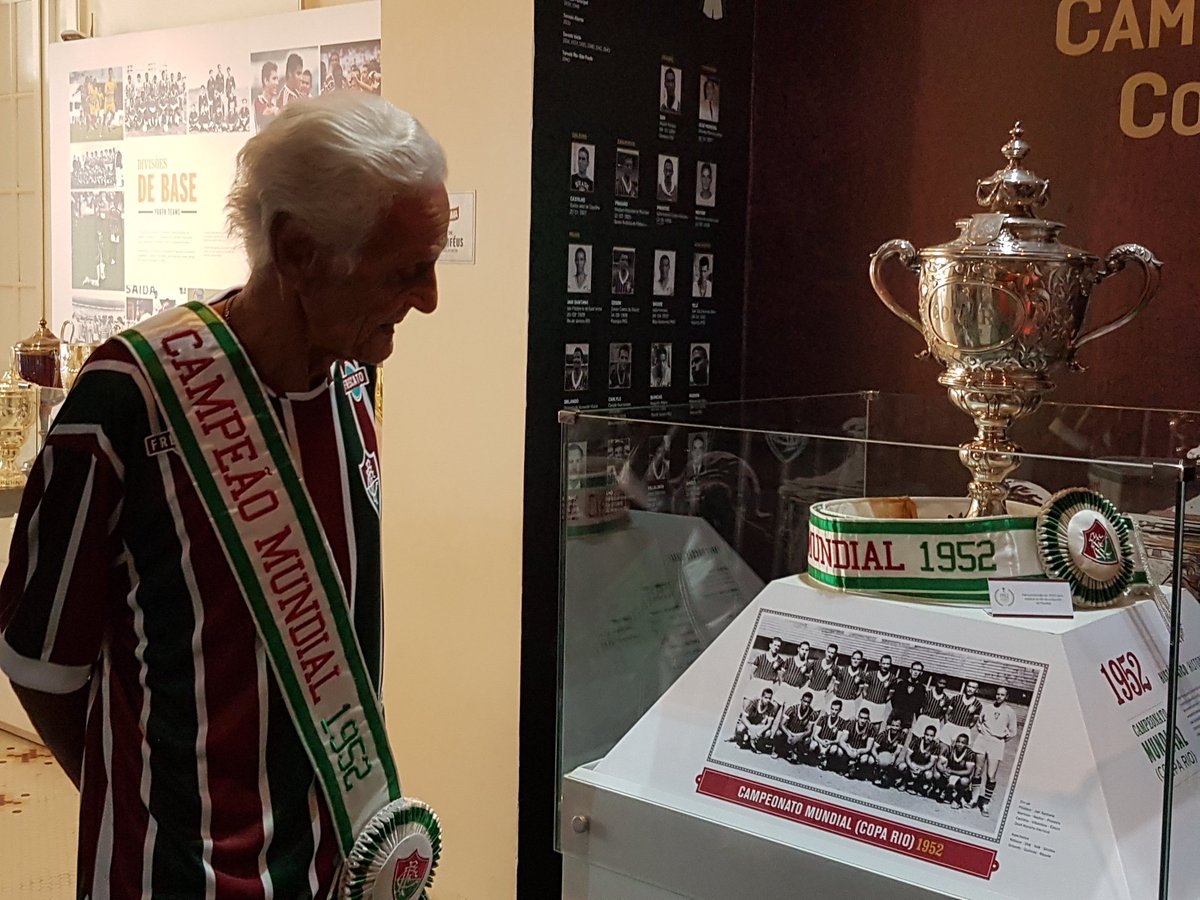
[10, 445]
[994, 399]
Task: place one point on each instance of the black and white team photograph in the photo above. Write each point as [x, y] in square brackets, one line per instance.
[930, 731]
[155, 101]
[96, 319]
[97, 169]
[97, 98]
[218, 99]
[350, 67]
[98, 240]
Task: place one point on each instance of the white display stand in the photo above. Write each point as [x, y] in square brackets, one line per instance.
[1076, 810]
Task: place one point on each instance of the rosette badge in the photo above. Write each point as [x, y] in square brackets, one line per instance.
[1001, 307]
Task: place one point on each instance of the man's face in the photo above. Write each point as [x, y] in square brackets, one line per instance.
[355, 316]
[581, 162]
[335, 62]
[703, 270]
[775, 645]
[864, 718]
[916, 670]
[697, 449]
[970, 689]
[830, 652]
[271, 85]
[580, 261]
[709, 90]
[669, 82]
[574, 460]
[1001, 695]
[856, 658]
[941, 685]
[668, 171]
[930, 731]
[664, 268]
[306, 85]
[802, 651]
[623, 264]
[705, 179]
[960, 742]
[885, 664]
[577, 360]
[623, 358]
[767, 694]
[835, 707]
[806, 701]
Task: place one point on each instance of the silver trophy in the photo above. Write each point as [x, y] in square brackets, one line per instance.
[1002, 306]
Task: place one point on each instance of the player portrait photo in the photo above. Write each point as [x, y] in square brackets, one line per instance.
[620, 366]
[97, 98]
[583, 173]
[277, 77]
[660, 365]
[218, 99]
[658, 469]
[710, 98]
[664, 273]
[627, 173]
[702, 272]
[698, 359]
[576, 464]
[579, 268]
[670, 80]
[348, 67]
[575, 368]
[623, 260]
[98, 240]
[706, 184]
[155, 101]
[668, 178]
[928, 731]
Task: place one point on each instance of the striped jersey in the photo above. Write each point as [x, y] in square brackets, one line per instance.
[797, 719]
[921, 751]
[879, 686]
[195, 783]
[829, 725]
[797, 670]
[857, 736]
[850, 682]
[768, 666]
[962, 710]
[958, 761]
[759, 711]
[935, 705]
[821, 676]
[889, 740]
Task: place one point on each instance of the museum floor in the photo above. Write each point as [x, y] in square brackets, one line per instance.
[37, 823]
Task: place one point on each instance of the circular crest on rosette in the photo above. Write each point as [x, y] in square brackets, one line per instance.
[1085, 541]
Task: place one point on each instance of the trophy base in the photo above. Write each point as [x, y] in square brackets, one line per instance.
[994, 398]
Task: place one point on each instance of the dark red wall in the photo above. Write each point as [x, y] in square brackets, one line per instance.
[874, 120]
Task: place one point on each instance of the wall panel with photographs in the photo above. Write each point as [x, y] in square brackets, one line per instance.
[636, 294]
[144, 134]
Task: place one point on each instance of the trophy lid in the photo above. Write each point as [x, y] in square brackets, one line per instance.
[41, 342]
[1013, 190]
[1011, 226]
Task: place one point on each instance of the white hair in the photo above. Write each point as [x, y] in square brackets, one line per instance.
[335, 163]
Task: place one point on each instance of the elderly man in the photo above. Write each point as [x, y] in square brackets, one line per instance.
[195, 575]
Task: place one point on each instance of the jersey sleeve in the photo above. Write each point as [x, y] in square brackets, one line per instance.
[65, 553]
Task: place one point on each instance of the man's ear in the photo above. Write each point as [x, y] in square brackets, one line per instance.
[293, 248]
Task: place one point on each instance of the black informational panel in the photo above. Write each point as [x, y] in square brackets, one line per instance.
[637, 272]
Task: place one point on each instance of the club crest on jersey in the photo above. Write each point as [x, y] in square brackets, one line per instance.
[369, 470]
[1098, 544]
[354, 380]
[408, 877]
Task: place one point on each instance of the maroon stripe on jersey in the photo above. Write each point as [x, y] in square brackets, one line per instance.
[328, 854]
[933, 705]
[130, 818]
[228, 641]
[961, 713]
[858, 739]
[95, 788]
[321, 468]
[820, 678]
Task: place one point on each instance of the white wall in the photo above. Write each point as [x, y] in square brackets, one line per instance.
[454, 436]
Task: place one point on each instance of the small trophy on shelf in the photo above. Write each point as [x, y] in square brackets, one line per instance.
[18, 408]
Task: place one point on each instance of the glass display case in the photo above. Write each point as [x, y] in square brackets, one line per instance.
[788, 657]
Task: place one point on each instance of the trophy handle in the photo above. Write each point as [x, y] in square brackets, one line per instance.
[1114, 263]
[907, 254]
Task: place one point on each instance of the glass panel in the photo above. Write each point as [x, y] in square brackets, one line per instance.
[676, 519]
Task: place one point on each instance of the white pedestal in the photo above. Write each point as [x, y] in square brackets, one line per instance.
[1077, 804]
